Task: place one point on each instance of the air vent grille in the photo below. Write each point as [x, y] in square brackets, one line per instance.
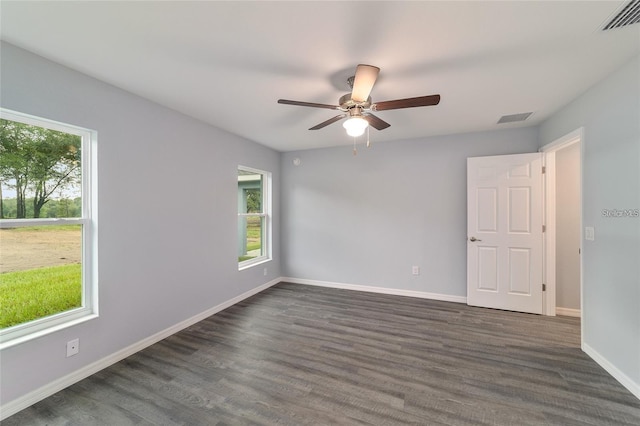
[630, 14]
[514, 117]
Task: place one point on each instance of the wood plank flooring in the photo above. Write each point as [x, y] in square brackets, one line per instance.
[302, 355]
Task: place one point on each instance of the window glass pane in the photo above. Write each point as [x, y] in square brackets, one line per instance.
[40, 272]
[249, 192]
[40, 172]
[40, 178]
[251, 214]
[252, 237]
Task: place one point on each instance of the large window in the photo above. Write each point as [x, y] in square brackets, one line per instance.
[47, 256]
[254, 210]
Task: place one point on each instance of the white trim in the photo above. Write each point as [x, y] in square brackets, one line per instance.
[33, 120]
[381, 290]
[563, 142]
[549, 151]
[49, 389]
[568, 312]
[624, 380]
[549, 236]
[21, 333]
[247, 264]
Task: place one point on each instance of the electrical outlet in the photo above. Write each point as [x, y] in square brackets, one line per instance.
[265, 272]
[415, 270]
[73, 347]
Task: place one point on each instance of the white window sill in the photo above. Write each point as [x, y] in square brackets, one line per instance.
[253, 262]
[8, 341]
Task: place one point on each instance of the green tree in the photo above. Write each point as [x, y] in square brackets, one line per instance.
[13, 164]
[39, 161]
[65, 208]
[254, 200]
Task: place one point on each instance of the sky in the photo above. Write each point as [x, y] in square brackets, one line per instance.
[8, 192]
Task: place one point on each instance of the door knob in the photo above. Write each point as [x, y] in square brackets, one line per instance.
[474, 239]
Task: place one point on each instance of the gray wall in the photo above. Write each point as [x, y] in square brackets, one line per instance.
[366, 219]
[359, 220]
[167, 215]
[568, 227]
[610, 115]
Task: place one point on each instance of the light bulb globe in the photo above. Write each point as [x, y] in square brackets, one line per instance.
[355, 126]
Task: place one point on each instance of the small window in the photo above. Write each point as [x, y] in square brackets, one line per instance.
[254, 224]
[46, 226]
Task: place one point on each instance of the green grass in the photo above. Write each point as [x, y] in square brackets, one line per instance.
[253, 246]
[37, 293]
[254, 236]
[46, 228]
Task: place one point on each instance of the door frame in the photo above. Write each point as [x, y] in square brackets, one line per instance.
[549, 236]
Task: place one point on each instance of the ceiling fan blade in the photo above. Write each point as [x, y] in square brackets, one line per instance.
[376, 122]
[407, 103]
[326, 123]
[307, 104]
[365, 78]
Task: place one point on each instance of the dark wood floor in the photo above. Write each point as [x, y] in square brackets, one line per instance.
[297, 355]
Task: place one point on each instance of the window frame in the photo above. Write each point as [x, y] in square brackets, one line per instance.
[265, 215]
[20, 333]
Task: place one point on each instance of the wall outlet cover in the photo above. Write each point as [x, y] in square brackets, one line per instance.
[73, 347]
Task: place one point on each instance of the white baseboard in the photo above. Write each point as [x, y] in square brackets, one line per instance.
[568, 312]
[382, 290]
[624, 380]
[49, 389]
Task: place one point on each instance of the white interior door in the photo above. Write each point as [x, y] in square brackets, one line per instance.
[504, 232]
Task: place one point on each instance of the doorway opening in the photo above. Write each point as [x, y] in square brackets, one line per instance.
[563, 219]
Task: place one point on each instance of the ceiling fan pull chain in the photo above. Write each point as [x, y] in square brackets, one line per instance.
[355, 150]
[368, 143]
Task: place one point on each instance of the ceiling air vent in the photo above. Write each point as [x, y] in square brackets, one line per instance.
[514, 117]
[630, 14]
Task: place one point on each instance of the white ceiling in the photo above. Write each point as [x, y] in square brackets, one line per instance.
[227, 63]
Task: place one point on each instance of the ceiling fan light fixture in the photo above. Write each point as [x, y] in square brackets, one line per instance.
[357, 106]
[355, 126]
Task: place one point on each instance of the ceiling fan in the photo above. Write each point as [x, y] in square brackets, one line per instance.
[357, 105]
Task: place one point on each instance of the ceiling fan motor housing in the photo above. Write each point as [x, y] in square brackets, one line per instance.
[347, 103]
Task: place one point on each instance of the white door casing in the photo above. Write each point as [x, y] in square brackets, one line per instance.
[504, 232]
